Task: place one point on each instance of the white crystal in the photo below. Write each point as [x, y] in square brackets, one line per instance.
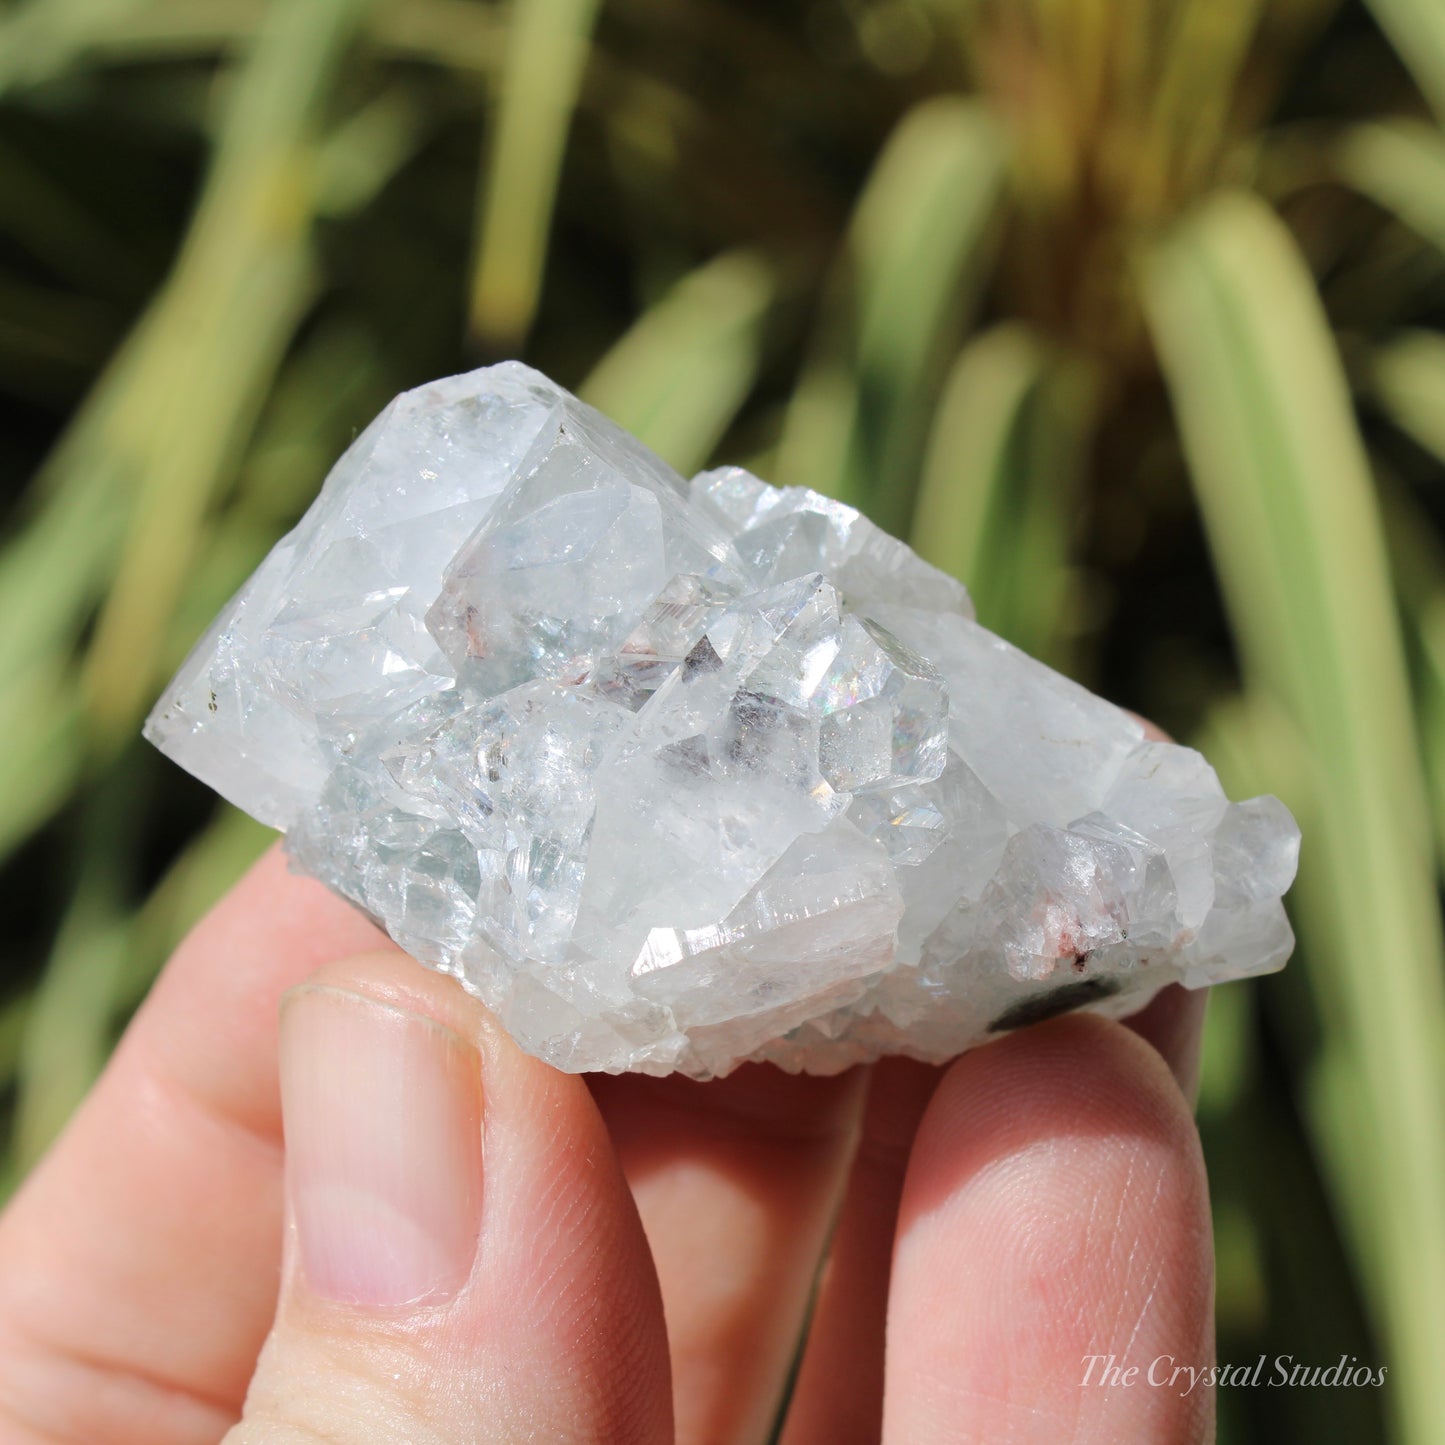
[674, 775]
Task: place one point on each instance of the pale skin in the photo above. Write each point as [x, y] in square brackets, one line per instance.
[637, 1254]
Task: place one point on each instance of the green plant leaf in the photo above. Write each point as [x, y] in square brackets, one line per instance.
[1417, 28]
[199, 364]
[677, 378]
[896, 306]
[1430, 632]
[43, 756]
[1400, 165]
[42, 41]
[998, 494]
[972, 450]
[1407, 376]
[1285, 492]
[546, 54]
[39, 40]
[356, 158]
[1418, 560]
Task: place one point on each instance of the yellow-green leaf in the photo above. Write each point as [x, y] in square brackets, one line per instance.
[1285, 492]
[677, 378]
[1408, 377]
[546, 54]
[193, 374]
[1400, 165]
[897, 303]
[1418, 29]
[997, 499]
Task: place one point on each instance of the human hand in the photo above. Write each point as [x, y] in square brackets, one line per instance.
[478, 1248]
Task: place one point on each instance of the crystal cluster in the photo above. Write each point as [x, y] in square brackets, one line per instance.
[676, 774]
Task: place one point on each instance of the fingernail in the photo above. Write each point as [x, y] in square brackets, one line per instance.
[383, 1124]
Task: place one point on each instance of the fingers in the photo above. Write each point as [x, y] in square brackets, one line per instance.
[737, 1182]
[1055, 1209]
[138, 1266]
[167, 1190]
[838, 1397]
[463, 1260]
[1173, 1021]
[138, 1269]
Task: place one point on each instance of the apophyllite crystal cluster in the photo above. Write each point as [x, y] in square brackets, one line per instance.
[678, 774]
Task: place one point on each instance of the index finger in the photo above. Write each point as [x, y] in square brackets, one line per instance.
[139, 1263]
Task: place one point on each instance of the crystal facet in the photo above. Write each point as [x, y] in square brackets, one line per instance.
[675, 775]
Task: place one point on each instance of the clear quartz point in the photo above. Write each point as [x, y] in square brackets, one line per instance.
[674, 775]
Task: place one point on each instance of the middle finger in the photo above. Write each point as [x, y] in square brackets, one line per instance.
[737, 1182]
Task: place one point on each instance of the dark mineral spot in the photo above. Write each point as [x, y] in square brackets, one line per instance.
[1056, 1001]
[689, 756]
[703, 658]
[754, 720]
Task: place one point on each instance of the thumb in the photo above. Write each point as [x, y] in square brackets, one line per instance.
[462, 1261]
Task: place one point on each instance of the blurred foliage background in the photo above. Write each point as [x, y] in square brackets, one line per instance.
[1128, 311]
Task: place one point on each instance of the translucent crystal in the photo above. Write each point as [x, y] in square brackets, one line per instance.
[678, 774]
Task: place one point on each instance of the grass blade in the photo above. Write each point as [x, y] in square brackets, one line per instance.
[1417, 28]
[1417, 557]
[40, 40]
[41, 722]
[972, 448]
[1285, 491]
[996, 501]
[1407, 377]
[203, 421]
[455, 35]
[546, 54]
[679, 375]
[1400, 165]
[1430, 632]
[207, 352]
[897, 305]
